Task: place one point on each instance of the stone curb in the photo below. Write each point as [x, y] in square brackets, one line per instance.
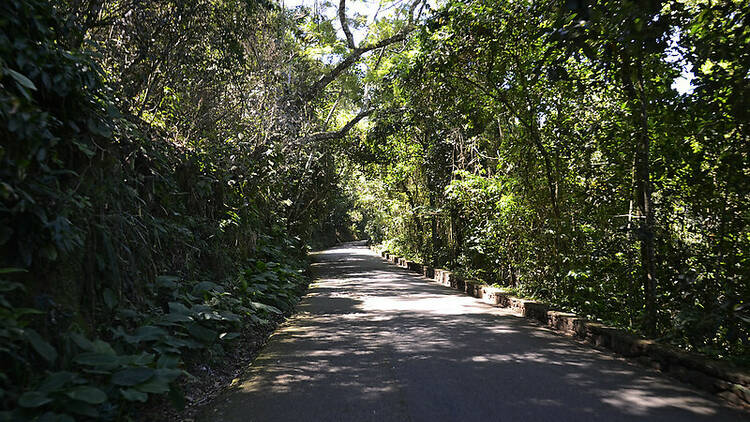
[729, 383]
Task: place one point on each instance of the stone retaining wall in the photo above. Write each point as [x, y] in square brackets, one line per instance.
[720, 378]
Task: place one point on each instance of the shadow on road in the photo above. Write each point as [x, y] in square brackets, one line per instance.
[375, 342]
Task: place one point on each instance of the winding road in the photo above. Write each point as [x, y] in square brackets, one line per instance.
[374, 342]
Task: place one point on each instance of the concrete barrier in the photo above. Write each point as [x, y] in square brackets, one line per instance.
[473, 288]
[441, 276]
[566, 322]
[530, 309]
[448, 279]
[717, 377]
[495, 296]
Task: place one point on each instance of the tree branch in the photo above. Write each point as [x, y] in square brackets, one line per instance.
[333, 108]
[411, 10]
[329, 77]
[335, 134]
[357, 52]
[345, 26]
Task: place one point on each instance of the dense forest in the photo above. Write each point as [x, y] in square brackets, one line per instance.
[167, 165]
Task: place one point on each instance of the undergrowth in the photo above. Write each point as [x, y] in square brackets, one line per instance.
[143, 353]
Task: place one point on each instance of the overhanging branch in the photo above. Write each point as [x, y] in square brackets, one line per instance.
[329, 77]
[357, 52]
[335, 134]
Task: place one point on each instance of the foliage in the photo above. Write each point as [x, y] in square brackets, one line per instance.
[539, 145]
[145, 350]
[141, 139]
[542, 145]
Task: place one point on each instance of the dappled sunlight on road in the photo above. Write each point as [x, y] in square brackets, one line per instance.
[639, 402]
[374, 342]
[438, 305]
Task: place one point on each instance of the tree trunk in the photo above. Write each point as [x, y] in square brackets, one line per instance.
[433, 231]
[635, 92]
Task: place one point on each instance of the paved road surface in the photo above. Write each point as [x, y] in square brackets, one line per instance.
[373, 342]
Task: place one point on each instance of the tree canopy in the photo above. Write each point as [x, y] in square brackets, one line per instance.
[591, 153]
[543, 145]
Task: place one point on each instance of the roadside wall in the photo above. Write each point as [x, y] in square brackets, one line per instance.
[716, 377]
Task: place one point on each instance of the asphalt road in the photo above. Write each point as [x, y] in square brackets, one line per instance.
[373, 342]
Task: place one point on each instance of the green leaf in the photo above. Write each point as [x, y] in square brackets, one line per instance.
[82, 342]
[84, 149]
[130, 313]
[146, 333]
[56, 381]
[131, 394]
[81, 408]
[21, 79]
[259, 321]
[55, 417]
[33, 399]
[149, 332]
[19, 312]
[228, 336]
[202, 333]
[174, 317]
[42, 347]
[169, 374]
[102, 346]
[230, 316]
[86, 394]
[167, 281]
[100, 360]
[168, 361]
[9, 287]
[99, 127]
[110, 299]
[205, 286]
[142, 359]
[178, 308]
[156, 385]
[132, 376]
[12, 270]
[264, 307]
[179, 342]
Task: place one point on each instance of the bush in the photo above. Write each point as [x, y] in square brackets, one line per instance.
[143, 353]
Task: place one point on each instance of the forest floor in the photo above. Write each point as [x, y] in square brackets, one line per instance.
[373, 342]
